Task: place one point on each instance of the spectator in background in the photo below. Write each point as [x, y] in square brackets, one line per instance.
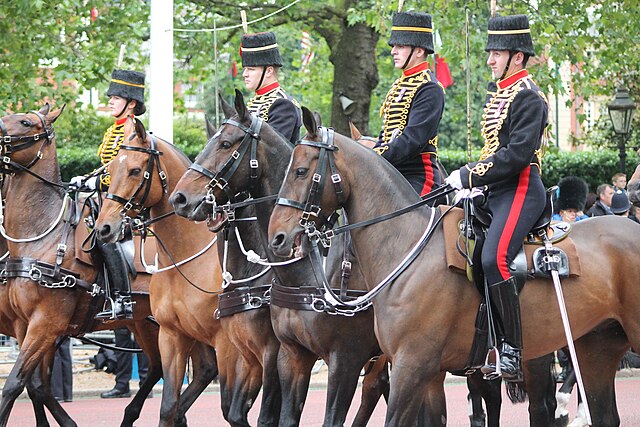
[62, 371]
[591, 199]
[124, 339]
[619, 182]
[570, 199]
[602, 206]
[620, 204]
[633, 214]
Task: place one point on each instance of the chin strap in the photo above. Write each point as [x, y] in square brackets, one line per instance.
[264, 70]
[506, 68]
[124, 108]
[408, 57]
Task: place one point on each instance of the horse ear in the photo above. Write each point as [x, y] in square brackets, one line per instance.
[140, 130]
[318, 118]
[45, 109]
[241, 108]
[227, 109]
[211, 130]
[310, 122]
[55, 114]
[355, 133]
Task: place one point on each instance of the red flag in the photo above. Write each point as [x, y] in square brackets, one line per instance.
[442, 72]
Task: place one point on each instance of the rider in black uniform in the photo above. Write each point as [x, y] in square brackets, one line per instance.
[509, 168]
[260, 63]
[413, 107]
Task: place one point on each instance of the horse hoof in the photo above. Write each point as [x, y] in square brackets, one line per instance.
[561, 421]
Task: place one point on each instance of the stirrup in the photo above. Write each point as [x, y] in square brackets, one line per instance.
[107, 313]
[491, 371]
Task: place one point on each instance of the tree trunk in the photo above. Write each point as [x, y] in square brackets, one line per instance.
[355, 76]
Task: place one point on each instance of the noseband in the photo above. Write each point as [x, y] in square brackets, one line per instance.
[311, 208]
[12, 144]
[220, 179]
[147, 178]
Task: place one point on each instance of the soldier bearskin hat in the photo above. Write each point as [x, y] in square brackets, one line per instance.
[412, 29]
[510, 33]
[572, 193]
[130, 85]
[259, 50]
[620, 202]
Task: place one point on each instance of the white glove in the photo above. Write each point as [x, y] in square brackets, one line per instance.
[82, 181]
[77, 181]
[466, 193]
[91, 183]
[454, 180]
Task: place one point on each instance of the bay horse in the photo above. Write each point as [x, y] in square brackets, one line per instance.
[184, 295]
[35, 201]
[425, 320]
[345, 344]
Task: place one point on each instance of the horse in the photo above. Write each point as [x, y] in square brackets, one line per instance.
[304, 330]
[434, 330]
[633, 187]
[43, 239]
[184, 292]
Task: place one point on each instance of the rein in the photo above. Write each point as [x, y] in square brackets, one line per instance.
[311, 208]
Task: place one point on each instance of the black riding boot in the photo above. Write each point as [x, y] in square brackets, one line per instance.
[121, 306]
[506, 303]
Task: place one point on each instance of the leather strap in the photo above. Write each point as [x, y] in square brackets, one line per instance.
[243, 299]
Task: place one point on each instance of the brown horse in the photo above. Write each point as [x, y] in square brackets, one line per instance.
[633, 187]
[344, 343]
[39, 238]
[425, 318]
[184, 297]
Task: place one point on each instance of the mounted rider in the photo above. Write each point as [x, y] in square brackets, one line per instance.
[126, 99]
[261, 62]
[413, 106]
[509, 169]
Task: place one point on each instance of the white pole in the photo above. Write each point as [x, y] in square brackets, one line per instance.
[160, 74]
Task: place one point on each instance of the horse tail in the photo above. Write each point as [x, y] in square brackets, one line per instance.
[516, 391]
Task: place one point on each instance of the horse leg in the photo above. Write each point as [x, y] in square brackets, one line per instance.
[146, 336]
[409, 382]
[245, 386]
[562, 398]
[271, 392]
[374, 385]
[174, 348]
[294, 367]
[30, 356]
[39, 390]
[541, 385]
[205, 370]
[434, 409]
[491, 392]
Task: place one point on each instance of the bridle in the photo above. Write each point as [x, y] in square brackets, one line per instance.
[311, 207]
[220, 179]
[12, 144]
[144, 187]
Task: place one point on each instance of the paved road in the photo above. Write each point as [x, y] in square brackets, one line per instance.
[92, 412]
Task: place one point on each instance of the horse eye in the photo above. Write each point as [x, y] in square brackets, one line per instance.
[301, 172]
[225, 144]
[135, 172]
[26, 123]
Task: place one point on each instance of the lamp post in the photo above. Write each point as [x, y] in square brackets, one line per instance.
[621, 113]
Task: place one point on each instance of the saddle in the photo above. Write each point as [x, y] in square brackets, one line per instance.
[453, 237]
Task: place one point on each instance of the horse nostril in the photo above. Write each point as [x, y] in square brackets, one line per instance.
[278, 240]
[178, 199]
[105, 230]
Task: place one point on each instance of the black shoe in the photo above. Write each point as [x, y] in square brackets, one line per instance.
[510, 363]
[114, 393]
[121, 308]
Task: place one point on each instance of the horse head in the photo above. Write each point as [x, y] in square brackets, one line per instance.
[633, 187]
[25, 136]
[316, 184]
[137, 180]
[228, 165]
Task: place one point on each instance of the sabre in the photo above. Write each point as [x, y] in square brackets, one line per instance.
[552, 262]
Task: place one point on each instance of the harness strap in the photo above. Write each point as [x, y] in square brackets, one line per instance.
[308, 298]
[45, 274]
[243, 299]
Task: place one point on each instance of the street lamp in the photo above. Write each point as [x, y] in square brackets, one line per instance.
[621, 112]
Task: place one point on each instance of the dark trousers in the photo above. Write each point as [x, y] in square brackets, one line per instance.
[515, 207]
[62, 371]
[125, 339]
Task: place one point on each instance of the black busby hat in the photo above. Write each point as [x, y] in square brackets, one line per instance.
[572, 193]
[129, 85]
[510, 33]
[620, 202]
[259, 50]
[412, 29]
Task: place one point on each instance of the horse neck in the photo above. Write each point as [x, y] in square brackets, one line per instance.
[191, 236]
[380, 247]
[31, 205]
